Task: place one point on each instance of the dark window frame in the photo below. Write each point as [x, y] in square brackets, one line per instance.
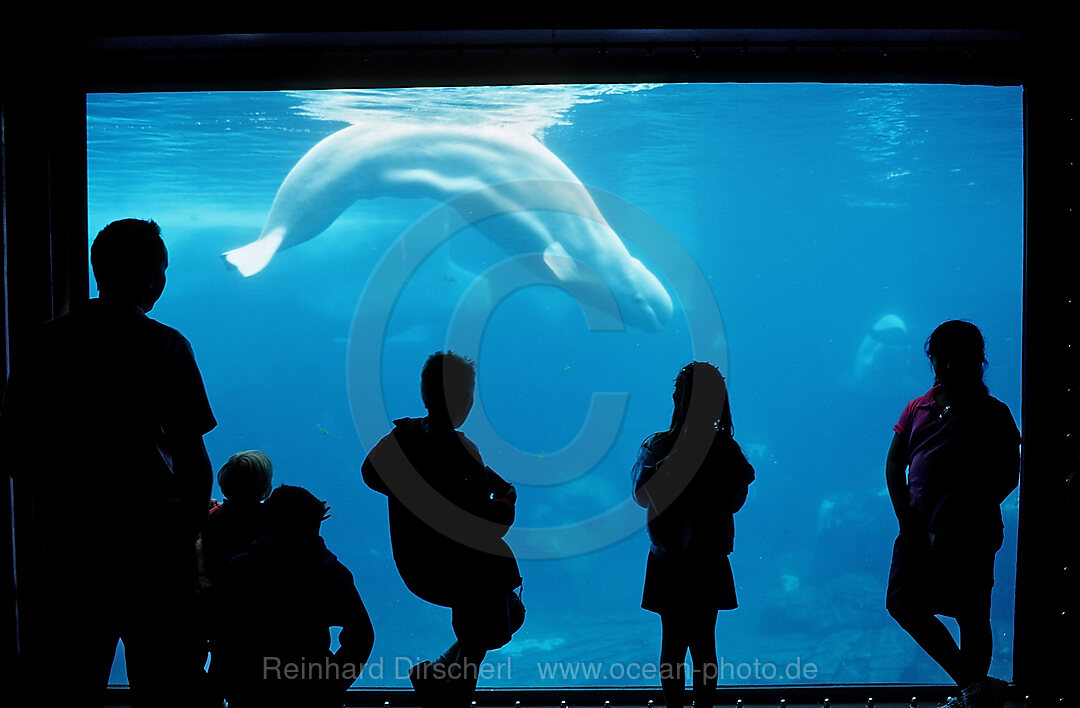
[43, 168]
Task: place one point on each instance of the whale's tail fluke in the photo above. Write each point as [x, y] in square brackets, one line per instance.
[252, 258]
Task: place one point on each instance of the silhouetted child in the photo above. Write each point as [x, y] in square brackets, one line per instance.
[960, 449]
[275, 606]
[448, 515]
[245, 480]
[692, 478]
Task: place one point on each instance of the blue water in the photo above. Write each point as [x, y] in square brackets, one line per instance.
[784, 220]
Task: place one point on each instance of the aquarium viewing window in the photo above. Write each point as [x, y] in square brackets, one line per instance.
[805, 238]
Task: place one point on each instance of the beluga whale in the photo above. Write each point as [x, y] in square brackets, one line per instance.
[503, 182]
[883, 350]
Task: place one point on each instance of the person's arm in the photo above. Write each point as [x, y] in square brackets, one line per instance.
[376, 463]
[499, 501]
[194, 477]
[357, 636]
[644, 469]
[1007, 460]
[896, 463]
[744, 475]
[995, 468]
[500, 490]
[739, 498]
[187, 416]
[1010, 472]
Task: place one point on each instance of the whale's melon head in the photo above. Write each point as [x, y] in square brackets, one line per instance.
[643, 300]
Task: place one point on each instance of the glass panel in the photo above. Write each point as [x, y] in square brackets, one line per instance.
[809, 237]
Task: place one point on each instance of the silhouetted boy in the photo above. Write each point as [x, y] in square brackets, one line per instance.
[275, 605]
[448, 515]
[961, 450]
[102, 427]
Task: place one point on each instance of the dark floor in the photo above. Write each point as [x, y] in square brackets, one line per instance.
[408, 703]
[917, 696]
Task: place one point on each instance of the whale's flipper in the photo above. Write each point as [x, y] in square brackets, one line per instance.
[252, 258]
[561, 263]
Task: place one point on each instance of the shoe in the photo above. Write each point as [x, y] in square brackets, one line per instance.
[956, 702]
[987, 692]
[420, 676]
[419, 672]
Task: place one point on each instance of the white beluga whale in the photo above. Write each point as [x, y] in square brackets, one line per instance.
[884, 350]
[505, 183]
[882, 373]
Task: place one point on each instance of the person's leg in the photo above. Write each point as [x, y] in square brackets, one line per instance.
[977, 649]
[162, 664]
[674, 642]
[911, 578]
[702, 639]
[934, 637]
[164, 650]
[450, 680]
[450, 656]
[469, 660]
[66, 641]
[976, 644]
[482, 622]
[77, 672]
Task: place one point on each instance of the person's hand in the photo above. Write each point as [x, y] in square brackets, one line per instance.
[509, 498]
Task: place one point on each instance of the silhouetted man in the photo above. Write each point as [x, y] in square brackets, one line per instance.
[103, 424]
